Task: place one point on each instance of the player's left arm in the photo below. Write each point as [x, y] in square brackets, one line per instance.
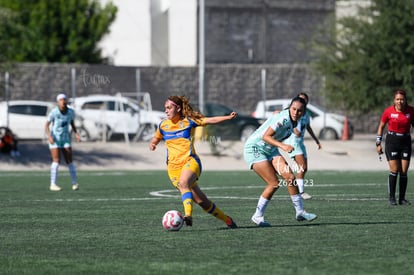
[219, 119]
[77, 136]
[315, 138]
[412, 117]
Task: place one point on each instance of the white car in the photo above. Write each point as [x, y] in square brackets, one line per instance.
[121, 115]
[27, 119]
[325, 125]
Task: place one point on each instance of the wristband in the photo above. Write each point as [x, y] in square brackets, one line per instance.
[378, 141]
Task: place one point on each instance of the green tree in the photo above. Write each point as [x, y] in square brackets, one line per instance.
[7, 29]
[54, 31]
[365, 57]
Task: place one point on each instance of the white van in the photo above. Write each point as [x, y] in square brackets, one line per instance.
[325, 125]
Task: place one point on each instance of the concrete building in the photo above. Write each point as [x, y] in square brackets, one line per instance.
[164, 32]
[152, 33]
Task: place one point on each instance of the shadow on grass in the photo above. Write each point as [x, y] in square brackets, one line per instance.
[37, 154]
[319, 224]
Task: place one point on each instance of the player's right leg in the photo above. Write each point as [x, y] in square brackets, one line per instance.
[266, 171]
[394, 166]
[54, 152]
[182, 180]
[295, 196]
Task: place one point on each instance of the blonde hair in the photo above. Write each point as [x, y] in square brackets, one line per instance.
[186, 109]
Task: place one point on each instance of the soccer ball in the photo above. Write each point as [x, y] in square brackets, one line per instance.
[172, 220]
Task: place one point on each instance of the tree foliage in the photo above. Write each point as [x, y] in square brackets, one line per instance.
[54, 31]
[365, 57]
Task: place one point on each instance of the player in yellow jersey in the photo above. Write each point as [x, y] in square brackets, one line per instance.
[184, 165]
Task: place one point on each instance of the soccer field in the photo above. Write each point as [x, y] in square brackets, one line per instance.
[112, 225]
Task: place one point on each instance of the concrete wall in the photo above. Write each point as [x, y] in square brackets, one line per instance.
[257, 31]
[236, 85]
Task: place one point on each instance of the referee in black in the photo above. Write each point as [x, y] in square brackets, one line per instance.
[400, 118]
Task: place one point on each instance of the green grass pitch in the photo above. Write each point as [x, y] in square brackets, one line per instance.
[112, 225]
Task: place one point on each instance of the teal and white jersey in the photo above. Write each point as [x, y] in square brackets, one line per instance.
[280, 123]
[303, 123]
[298, 141]
[60, 123]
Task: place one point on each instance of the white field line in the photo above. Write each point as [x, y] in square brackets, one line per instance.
[365, 197]
[172, 193]
[338, 197]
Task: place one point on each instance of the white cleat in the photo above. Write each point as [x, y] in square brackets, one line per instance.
[75, 187]
[260, 222]
[305, 196]
[305, 216]
[55, 188]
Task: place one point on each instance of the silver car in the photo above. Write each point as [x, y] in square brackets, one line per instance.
[325, 125]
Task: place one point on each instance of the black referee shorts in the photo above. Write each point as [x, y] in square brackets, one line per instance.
[398, 147]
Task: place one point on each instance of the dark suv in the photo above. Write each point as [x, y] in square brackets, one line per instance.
[239, 128]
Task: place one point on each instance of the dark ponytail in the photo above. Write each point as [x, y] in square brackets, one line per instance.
[300, 99]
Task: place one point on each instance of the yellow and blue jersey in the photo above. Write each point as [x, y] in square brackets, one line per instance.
[179, 140]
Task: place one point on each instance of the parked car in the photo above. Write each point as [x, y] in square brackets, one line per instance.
[325, 125]
[27, 119]
[89, 129]
[120, 115]
[239, 128]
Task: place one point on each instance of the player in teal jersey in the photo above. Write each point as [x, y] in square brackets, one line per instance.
[261, 152]
[299, 153]
[57, 131]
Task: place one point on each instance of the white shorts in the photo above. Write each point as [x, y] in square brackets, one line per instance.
[252, 154]
[298, 146]
[60, 143]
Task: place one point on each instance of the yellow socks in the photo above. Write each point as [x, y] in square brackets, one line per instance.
[216, 212]
[187, 198]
